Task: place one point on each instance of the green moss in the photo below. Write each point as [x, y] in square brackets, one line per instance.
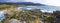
[14, 16]
[3, 21]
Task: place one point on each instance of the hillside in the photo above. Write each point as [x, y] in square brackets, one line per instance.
[21, 3]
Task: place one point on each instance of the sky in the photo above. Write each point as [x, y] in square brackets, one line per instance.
[50, 8]
[46, 2]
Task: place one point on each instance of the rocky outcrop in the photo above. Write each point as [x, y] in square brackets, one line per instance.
[14, 21]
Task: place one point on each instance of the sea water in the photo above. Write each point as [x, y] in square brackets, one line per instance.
[2, 15]
[46, 8]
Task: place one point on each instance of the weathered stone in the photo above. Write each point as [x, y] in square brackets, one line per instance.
[14, 21]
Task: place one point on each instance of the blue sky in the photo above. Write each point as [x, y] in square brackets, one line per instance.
[11, 0]
[46, 2]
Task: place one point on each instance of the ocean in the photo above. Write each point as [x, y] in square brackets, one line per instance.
[46, 8]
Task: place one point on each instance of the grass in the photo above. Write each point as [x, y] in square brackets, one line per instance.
[8, 8]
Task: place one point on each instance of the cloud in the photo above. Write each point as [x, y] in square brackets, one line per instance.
[35, 1]
[52, 2]
[46, 2]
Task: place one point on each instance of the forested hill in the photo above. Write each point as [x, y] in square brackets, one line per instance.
[21, 3]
